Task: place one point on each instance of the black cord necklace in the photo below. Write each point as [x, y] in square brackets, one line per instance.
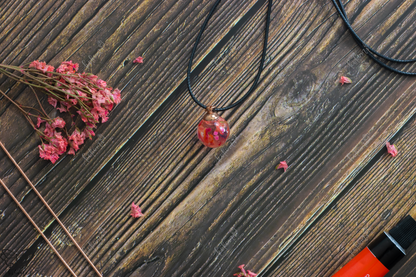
[213, 130]
[367, 49]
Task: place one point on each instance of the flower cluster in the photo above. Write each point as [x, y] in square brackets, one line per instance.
[81, 95]
[244, 273]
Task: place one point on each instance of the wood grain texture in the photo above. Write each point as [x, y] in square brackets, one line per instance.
[81, 29]
[375, 202]
[207, 211]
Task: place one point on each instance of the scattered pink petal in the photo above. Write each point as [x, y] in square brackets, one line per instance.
[136, 212]
[241, 267]
[283, 165]
[243, 272]
[391, 149]
[345, 80]
[139, 59]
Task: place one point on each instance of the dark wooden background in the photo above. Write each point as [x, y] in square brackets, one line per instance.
[208, 211]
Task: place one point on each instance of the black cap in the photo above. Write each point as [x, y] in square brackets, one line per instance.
[404, 232]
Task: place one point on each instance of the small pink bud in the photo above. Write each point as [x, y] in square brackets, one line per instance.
[283, 165]
[345, 80]
[136, 212]
[391, 149]
[139, 59]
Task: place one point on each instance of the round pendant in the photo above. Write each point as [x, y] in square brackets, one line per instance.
[213, 130]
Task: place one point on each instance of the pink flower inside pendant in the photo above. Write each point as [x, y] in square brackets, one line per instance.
[213, 130]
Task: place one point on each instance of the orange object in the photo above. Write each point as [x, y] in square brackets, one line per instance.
[365, 264]
[383, 253]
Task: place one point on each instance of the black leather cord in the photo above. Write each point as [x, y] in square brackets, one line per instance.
[367, 49]
[256, 80]
[373, 54]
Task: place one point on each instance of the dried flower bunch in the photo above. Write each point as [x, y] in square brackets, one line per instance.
[81, 95]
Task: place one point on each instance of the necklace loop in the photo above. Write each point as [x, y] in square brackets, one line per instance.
[260, 69]
[210, 109]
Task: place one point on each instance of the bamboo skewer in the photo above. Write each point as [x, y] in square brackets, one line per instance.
[50, 210]
[37, 228]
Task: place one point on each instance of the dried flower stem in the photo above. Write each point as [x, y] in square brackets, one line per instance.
[37, 98]
[25, 113]
[14, 103]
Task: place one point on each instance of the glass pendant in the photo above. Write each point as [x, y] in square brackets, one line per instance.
[213, 130]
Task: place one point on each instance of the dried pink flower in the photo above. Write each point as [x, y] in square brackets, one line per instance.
[345, 80]
[75, 140]
[52, 101]
[77, 93]
[391, 149]
[241, 267]
[67, 67]
[58, 123]
[136, 212]
[42, 66]
[48, 152]
[139, 59]
[283, 165]
[60, 143]
[116, 96]
[49, 130]
[243, 272]
[40, 121]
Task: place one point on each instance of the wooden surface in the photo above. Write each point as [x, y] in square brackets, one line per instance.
[208, 211]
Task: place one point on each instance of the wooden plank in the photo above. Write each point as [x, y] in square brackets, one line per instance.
[374, 203]
[196, 199]
[13, 11]
[161, 31]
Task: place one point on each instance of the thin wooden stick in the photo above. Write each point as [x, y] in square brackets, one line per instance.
[37, 228]
[50, 210]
